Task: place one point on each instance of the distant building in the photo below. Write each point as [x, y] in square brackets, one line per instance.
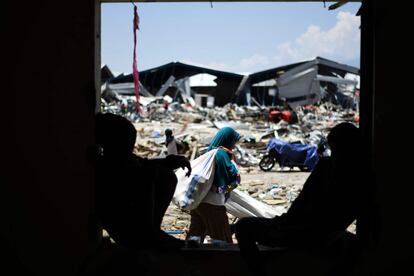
[304, 83]
[177, 78]
[297, 84]
[106, 74]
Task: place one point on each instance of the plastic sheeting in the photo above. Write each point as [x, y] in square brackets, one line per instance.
[298, 153]
[242, 205]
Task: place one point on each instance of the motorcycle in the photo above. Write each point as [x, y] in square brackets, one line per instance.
[303, 156]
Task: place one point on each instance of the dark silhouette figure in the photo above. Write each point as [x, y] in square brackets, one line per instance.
[174, 146]
[331, 199]
[133, 193]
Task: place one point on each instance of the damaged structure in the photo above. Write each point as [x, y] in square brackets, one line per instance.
[298, 84]
[177, 79]
[305, 83]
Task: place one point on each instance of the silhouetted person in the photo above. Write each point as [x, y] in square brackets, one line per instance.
[331, 199]
[170, 142]
[174, 146]
[133, 193]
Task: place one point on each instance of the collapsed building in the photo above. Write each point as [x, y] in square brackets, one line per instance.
[305, 83]
[179, 80]
[297, 84]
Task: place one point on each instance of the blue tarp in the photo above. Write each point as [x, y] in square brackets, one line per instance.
[305, 154]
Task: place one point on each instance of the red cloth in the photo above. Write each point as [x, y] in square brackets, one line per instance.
[287, 116]
[284, 115]
[274, 113]
[135, 72]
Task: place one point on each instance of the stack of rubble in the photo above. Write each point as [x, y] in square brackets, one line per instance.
[197, 126]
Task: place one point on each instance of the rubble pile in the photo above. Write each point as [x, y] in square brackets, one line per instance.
[197, 126]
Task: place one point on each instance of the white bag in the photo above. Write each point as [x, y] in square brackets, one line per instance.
[190, 191]
[243, 205]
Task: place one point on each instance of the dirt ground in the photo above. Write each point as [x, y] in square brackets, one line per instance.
[277, 188]
[255, 182]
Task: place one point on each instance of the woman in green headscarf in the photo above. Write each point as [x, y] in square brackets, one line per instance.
[210, 217]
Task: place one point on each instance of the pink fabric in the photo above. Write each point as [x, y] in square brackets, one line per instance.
[135, 72]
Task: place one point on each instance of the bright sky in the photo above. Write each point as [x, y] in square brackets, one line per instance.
[235, 37]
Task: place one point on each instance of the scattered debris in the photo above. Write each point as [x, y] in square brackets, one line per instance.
[197, 121]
